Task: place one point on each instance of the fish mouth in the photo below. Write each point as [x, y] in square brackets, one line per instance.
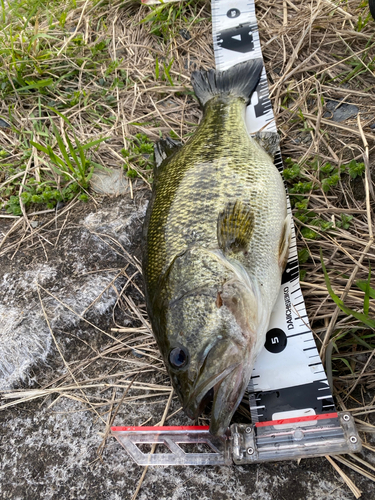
[224, 390]
[205, 393]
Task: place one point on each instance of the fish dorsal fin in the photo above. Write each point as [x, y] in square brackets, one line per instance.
[164, 148]
[235, 227]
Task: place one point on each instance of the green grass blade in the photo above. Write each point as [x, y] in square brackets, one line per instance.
[56, 159]
[57, 169]
[66, 120]
[3, 10]
[362, 285]
[360, 316]
[62, 147]
[366, 301]
[89, 175]
[100, 167]
[361, 341]
[82, 165]
[154, 13]
[37, 85]
[49, 152]
[346, 362]
[39, 147]
[93, 143]
[166, 72]
[72, 150]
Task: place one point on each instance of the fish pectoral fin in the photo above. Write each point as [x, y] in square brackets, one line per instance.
[164, 148]
[235, 227]
[284, 244]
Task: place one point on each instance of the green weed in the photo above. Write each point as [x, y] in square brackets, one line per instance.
[73, 163]
[327, 178]
[365, 18]
[68, 174]
[139, 157]
[163, 72]
[364, 317]
[360, 63]
[48, 72]
[360, 335]
[163, 19]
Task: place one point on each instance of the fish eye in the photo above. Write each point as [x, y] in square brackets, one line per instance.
[178, 357]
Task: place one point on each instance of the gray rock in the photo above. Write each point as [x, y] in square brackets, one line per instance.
[52, 454]
[25, 340]
[340, 112]
[185, 34]
[4, 124]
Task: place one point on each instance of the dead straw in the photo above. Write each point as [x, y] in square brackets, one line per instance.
[353, 488]
[161, 423]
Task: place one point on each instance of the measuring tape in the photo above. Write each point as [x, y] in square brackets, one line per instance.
[290, 353]
[292, 410]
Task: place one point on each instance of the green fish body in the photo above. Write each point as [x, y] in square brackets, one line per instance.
[216, 238]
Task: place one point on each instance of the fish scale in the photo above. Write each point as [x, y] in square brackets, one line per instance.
[208, 173]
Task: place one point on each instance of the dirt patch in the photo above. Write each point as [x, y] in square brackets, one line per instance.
[77, 273]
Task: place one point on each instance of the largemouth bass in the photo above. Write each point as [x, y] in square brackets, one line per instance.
[216, 239]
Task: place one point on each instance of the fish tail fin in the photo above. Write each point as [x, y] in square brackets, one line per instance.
[238, 81]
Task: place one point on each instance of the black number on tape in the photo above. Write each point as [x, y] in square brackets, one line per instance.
[263, 105]
[239, 39]
[275, 340]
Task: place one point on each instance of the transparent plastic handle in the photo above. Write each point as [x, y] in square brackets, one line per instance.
[286, 439]
[180, 445]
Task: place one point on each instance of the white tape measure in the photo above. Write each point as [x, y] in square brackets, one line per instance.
[290, 353]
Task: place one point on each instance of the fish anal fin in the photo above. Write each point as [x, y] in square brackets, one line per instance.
[284, 244]
[235, 227]
[164, 148]
[269, 141]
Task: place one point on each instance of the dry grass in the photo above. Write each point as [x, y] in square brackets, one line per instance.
[314, 52]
